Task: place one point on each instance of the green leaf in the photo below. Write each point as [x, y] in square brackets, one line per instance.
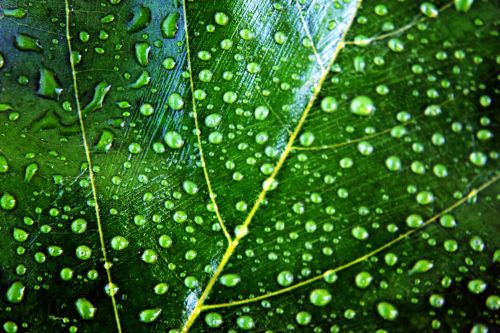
[249, 165]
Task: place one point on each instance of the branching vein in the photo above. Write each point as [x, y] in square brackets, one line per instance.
[308, 33]
[419, 18]
[363, 258]
[349, 142]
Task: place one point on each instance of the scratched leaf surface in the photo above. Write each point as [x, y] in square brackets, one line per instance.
[249, 165]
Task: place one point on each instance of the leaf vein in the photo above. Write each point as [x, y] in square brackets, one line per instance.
[234, 243]
[90, 164]
[362, 258]
[198, 131]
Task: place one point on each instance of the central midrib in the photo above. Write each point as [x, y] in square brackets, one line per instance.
[234, 243]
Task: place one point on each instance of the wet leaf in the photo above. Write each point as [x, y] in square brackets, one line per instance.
[249, 165]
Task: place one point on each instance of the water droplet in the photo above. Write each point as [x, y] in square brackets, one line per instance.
[165, 241]
[230, 97]
[4, 164]
[48, 85]
[100, 92]
[168, 63]
[303, 318]
[387, 311]
[20, 235]
[7, 201]
[477, 244]
[149, 315]
[429, 9]
[230, 280]
[307, 139]
[362, 106]
[463, 5]
[247, 34]
[414, 221]
[134, 148]
[169, 25]
[422, 266]
[190, 187]
[15, 293]
[320, 297]
[396, 45]
[161, 288]
[436, 300]
[393, 163]
[175, 102]
[174, 140]
[478, 158]
[79, 226]
[10, 327]
[149, 256]
[329, 104]
[245, 322]
[261, 112]
[119, 243]
[285, 278]
[221, 18]
[140, 20]
[83, 252]
[30, 171]
[360, 233]
[66, 274]
[477, 286]
[363, 279]
[213, 120]
[85, 309]
[493, 302]
[213, 319]
[27, 43]
[15, 12]
[142, 80]
[142, 50]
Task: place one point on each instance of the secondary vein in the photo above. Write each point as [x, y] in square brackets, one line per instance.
[198, 132]
[90, 165]
[362, 258]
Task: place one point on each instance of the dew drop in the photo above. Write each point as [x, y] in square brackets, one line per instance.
[149, 315]
[362, 106]
[169, 25]
[230, 280]
[245, 322]
[15, 293]
[329, 104]
[422, 266]
[85, 309]
[213, 319]
[174, 140]
[320, 297]
[285, 278]
[303, 318]
[477, 286]
[363, 280]
[387, 311]
[175, 102]
[7, 201]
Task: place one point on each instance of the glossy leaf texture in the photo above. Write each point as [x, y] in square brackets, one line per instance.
[249, 165]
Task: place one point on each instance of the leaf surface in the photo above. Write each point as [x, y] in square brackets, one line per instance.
[248, 165]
